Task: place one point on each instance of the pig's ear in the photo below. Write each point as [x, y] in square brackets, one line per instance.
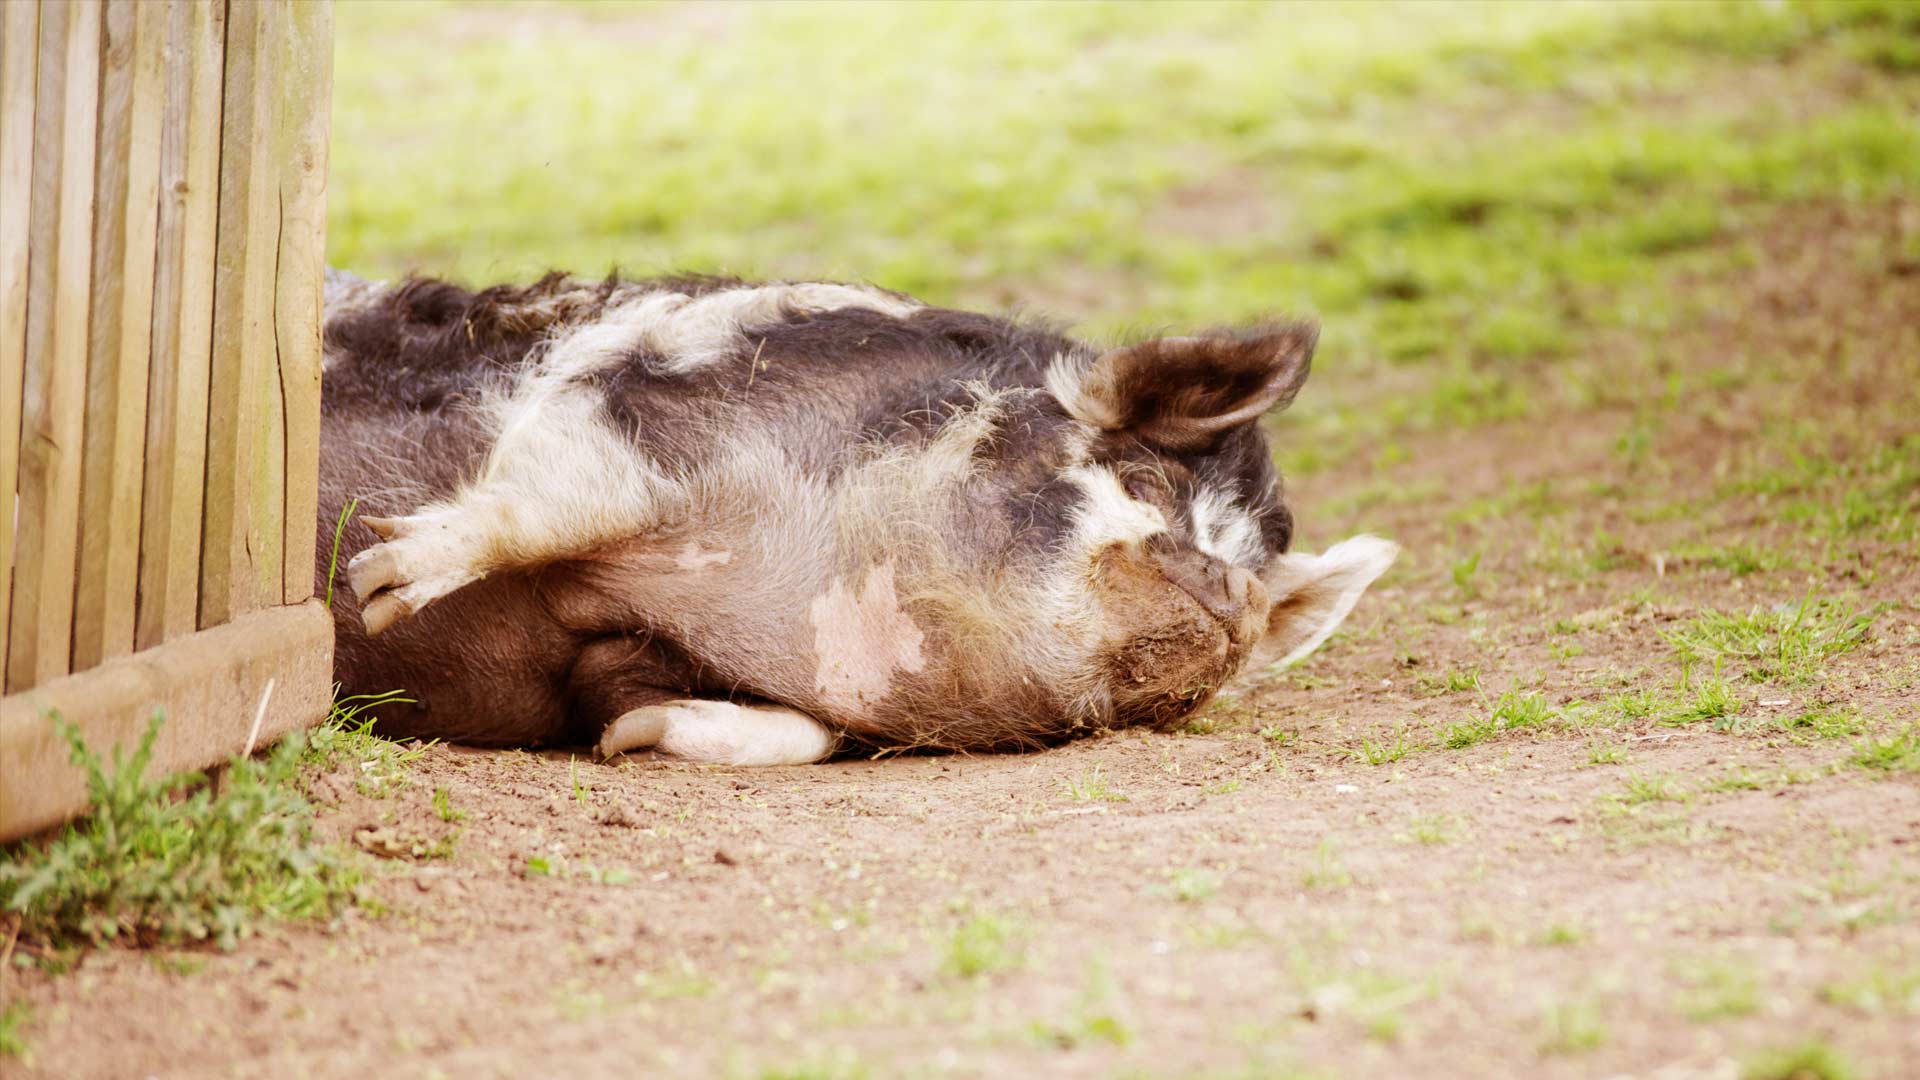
[1312, 594]
[1181, 393]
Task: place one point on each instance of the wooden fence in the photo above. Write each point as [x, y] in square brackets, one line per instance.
[162, 209]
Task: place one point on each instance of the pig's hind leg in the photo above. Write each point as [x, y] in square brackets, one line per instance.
[633, 691]
[721, 733]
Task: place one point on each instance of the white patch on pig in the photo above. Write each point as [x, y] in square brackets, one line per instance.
[1069, 381]
[861, 639]
[1109, 515]
[722, 733]
[699, 331]
[693, 560]
[1223, 529]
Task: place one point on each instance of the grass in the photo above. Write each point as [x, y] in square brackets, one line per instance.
[380, 765]
[176, 859]
[1092, 786]
[333, 556]
[1654, 788]
[1718, 991]
[1787, 644]
[1192, 885]
[1571, 1028]
[1326, 871]
[14, 1018]
[1601, 752]
[1897, 753]
[983, 945]
[1381, 752]
[1813, 1060]
[1451, 682]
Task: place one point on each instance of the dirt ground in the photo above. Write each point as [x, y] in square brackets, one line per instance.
[1308, 880]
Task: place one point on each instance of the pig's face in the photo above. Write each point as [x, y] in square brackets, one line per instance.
[1107, 550]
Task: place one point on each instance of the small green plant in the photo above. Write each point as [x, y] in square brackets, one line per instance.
[1192, 885]
[1604, 752]
[1093, 1019]
[1646, 789]
[1827, 722]
[1516, 710]
[174, 860]
[13, 1031]
[582, 788]
[333, 560]
[1450, 682]
[1381, 752]
[1877, 991]
[1717, 992]
[1635, 704]
[1092, 786]
[1785, 645]
[1433, 829]
[380, 765]
[1896, 753]
[1280, 736]
[980, 946]
[443, 806]
[1712, 699]
[1326, 871]
[1469, 733]
[1571, 1028]
[1462, 573]
[1560, 934]
[1809, 1061]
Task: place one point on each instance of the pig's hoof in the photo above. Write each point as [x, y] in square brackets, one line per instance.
[635, 729]
[372, 570]
[421, 563]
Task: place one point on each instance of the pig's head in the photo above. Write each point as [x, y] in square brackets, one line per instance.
[1110, 549]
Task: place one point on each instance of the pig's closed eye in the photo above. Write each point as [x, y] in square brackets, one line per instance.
[1148, 490]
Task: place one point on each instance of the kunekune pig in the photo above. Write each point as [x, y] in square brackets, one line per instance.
[765, 523]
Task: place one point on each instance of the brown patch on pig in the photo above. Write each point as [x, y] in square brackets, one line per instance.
[1165, 654]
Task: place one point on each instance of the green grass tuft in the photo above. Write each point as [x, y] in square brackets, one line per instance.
[1808, 1061]
[982, 945]
[1787, 645]
[164, 861]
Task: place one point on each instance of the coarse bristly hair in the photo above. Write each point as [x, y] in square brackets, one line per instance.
[899, 525]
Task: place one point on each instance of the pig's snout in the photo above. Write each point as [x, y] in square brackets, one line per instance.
[1235, 597]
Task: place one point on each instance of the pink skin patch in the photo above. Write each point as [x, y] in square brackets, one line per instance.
[862, 639]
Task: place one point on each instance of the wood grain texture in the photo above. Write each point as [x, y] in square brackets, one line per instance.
[306, 97]
[58, 292]
[209, 684]
[19, 64]
[126, 171]
[182, 323]
[240, 555]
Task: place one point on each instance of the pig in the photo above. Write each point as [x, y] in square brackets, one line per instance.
[769, 523]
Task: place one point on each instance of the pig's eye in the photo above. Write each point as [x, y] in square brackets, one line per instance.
[1148, 489]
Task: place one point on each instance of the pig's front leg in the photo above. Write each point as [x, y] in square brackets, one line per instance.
[558, 480]
[720, 733]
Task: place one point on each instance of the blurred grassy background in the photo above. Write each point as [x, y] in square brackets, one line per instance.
[1460, 190]
[1123, 162]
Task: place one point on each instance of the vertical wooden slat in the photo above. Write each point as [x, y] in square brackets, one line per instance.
[182, 323]
[306, 95]
[19, 54]
[58, 284]
[126, 204]
[237, 558]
